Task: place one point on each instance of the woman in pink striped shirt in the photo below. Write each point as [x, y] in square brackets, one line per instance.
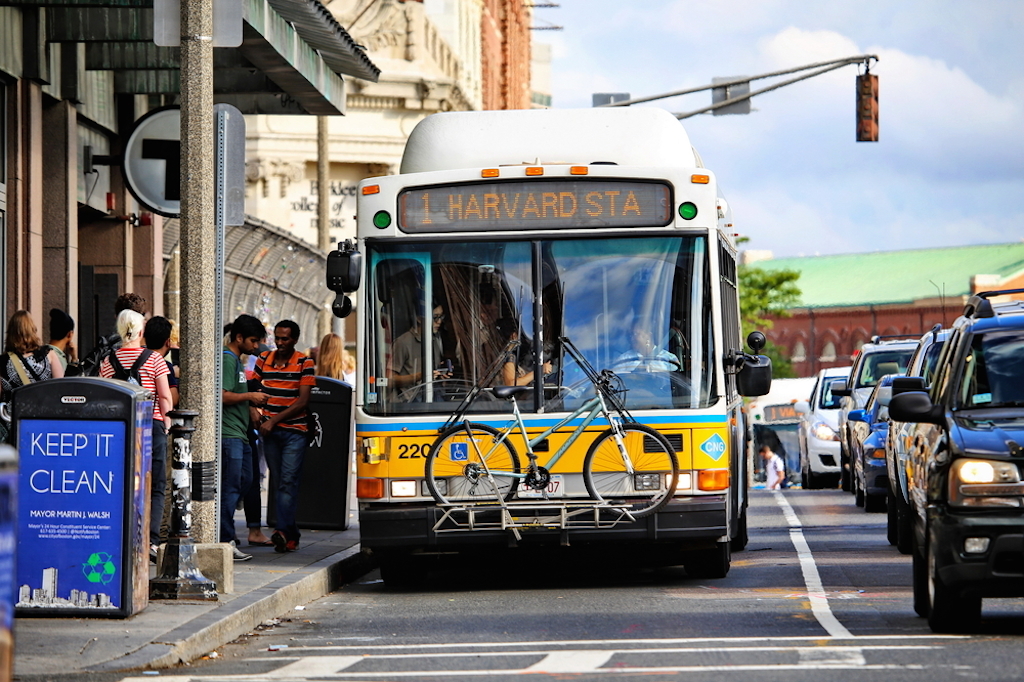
[152, 376]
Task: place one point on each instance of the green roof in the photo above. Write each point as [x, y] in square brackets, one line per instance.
[858, 279]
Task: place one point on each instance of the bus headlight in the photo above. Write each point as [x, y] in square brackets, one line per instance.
[683, 483]
[403, 488]
[647, 481]
[985, 483]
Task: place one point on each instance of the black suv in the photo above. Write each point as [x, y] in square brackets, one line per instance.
[965, 483]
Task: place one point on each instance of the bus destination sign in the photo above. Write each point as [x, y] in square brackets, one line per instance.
[535, 205]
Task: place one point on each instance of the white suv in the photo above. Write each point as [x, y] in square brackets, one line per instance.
[819, 431]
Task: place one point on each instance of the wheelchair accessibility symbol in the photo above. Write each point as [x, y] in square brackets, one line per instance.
[459, 452]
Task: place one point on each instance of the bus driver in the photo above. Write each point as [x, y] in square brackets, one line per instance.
[406, 377]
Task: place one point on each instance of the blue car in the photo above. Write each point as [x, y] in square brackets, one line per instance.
[869, 430]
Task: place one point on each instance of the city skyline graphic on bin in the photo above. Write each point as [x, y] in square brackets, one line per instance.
[99, 568]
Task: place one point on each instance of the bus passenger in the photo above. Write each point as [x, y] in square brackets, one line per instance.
[512, 373]
[406, 377]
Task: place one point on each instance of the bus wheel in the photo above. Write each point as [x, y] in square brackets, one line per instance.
[709, 563]
[739, 541]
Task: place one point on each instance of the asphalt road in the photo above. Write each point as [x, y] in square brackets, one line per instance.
[818, 594]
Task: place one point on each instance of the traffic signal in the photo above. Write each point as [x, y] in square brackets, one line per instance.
[867, 108]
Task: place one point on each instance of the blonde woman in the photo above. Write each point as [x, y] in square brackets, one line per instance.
[152, 376]
[329, 359]
[25, 359]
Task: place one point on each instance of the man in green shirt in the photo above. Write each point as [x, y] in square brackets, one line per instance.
[244, 337]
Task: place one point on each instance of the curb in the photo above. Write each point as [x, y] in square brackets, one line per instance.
[205, 633]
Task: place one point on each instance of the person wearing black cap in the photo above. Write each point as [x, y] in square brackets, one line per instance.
[62, 334]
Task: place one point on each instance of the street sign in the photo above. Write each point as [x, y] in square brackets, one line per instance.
[227, 23]
[152, 161]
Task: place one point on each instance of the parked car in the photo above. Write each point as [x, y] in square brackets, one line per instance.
[819, 437]
[965, 466]
[869, 429]
[922, 367]
[883, 355]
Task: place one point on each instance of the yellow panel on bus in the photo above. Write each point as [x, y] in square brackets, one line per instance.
[710, 448]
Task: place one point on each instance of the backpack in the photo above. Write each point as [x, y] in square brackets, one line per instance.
[90, 364]
[131, 375]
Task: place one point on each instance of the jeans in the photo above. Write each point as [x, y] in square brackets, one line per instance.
[284, 450]
[158, 481]
[251, 499]
[235, 478]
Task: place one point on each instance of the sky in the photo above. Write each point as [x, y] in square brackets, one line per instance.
[948, 169]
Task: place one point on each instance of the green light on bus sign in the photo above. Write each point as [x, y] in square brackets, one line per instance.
[688, 210]
[535, 205]
[381, 219]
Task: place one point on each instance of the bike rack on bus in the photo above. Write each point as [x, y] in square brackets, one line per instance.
[529, 516]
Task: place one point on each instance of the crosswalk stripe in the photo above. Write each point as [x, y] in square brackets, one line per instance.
[571, 662]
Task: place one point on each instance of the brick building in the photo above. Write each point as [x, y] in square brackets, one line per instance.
[505, 43]
[846, 299]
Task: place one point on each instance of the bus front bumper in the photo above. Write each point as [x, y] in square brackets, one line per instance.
[694, 522]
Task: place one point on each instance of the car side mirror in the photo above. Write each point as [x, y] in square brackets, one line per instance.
[915, 406]
[904, 384]
[856, 416]
[839, 388]
[802, 407]
[884, 396]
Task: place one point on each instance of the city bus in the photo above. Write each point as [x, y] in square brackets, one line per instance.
[503, 234]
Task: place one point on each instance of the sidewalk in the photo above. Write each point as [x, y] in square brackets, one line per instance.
[168, 632]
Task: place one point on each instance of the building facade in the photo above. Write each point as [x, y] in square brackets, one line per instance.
[847, 299]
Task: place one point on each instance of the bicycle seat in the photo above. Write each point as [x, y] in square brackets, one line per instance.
[506, 392]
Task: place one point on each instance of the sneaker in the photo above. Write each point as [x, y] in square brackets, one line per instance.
[280, 544]
[237, 554]
[152, 554]
[291, 545]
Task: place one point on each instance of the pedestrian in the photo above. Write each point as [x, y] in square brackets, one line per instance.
[244, 335]
[150, 370]
[774, 469]
[288, 377]
[25, 359]
[62, 340]
[348, 367]
[157, 338]
[90, 365]
[330, 361]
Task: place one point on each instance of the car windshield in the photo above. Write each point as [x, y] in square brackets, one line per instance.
[993, 372]
[829, 401]
[879, 363]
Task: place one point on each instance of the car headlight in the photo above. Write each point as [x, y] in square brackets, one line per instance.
[823, 431]
[985, 483]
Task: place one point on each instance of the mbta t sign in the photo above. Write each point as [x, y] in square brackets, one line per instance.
[152, 161]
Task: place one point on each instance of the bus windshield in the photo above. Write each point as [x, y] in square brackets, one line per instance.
[450, 316]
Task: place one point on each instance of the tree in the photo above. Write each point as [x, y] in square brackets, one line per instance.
[764, 294]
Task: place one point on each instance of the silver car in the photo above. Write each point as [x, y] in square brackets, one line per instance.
[819, 431]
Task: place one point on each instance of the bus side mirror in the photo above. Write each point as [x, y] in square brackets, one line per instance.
[756, 340]
[755, 375]
[344, 270]
[342, 306]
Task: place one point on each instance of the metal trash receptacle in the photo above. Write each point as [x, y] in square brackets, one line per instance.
[324, 482]
[84, 447]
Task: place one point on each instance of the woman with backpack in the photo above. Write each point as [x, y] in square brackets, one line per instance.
[132, 362]
[26, 359]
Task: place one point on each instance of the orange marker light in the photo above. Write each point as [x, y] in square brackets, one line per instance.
[578, 170]
[713, 479]
[370, 488]
[700, 179]
[371, 189]
[489, 173]
[534, 170]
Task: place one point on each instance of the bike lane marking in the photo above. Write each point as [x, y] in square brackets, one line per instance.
[812, 579]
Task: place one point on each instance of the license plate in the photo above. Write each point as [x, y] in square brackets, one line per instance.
[555, 488]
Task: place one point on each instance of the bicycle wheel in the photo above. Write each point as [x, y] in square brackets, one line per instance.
[467, 463]
[655, 469]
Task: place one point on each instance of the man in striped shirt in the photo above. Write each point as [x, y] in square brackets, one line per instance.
[287, 377]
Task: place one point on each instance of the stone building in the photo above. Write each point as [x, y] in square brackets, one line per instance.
[846, 299]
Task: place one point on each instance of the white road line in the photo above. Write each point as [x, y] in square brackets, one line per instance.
[815, 656]
[571, 662]
[815, 591]
[312, 666]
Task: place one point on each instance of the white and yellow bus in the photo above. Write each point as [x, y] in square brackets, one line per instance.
[601, 226]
